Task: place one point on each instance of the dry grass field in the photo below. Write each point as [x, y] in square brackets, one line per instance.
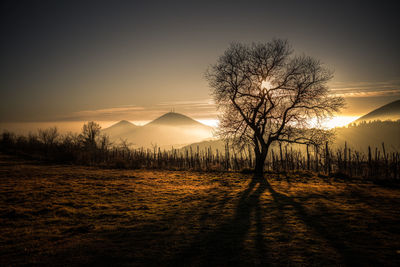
[73, 215]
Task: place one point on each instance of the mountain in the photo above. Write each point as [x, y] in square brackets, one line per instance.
[120, 129]
[169, 130]
[373, 133]
[175, 119]
[390, 111]
[381, 125]
[122, 125]
[357, 136]
[214, 145]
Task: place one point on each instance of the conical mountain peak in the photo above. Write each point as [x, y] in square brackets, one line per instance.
[174, 119]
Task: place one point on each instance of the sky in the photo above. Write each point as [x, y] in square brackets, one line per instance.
[66, 61]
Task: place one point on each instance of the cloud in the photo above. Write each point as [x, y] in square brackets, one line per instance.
[205, 109]
[201, 102]
[103, 114]
[117, 110]
[370, 93]
[197, 109]
[366, 89]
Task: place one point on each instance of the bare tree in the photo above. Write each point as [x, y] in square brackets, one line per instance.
[104, 142]
[124, 145]
[48, 136]
[71, 139]
[90, 131]
[267, 94]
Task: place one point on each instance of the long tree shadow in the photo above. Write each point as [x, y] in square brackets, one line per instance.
[225, 245]
[262, 229]
[228, 244]
[333, 237]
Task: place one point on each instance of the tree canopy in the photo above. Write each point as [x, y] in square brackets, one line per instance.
[266, 94]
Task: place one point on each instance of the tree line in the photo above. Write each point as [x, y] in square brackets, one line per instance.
[92, 148]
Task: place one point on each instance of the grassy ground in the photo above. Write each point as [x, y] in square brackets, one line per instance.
[72, 215]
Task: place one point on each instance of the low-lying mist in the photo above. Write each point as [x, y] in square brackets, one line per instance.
[163, 136]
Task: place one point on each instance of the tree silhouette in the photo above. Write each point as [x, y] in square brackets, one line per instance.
[48, 136]
[267, 94]
[90, 131]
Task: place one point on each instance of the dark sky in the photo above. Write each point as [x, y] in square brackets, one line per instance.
[109, 60]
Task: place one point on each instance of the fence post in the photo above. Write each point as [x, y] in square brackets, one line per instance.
[345, 157]
[369, 162]
[327, 159]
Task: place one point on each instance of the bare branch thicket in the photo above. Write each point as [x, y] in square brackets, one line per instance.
[90, 132]
[47, 136]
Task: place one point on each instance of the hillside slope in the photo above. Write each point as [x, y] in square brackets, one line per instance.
[362, 135]
[389, 111]
[120, 129]
[175, 119]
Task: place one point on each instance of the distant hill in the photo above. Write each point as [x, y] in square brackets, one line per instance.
[169, 130]
[390, 111]
[120, 129]
[381, 125]
[357, 136]
[374, 133]
[175, 119]
[180, 131]
[204, 145]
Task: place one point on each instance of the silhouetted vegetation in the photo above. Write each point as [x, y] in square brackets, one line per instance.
[267, 95]
[93, 149]
[360, 135]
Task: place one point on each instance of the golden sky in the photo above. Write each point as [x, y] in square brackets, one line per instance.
[64, 62]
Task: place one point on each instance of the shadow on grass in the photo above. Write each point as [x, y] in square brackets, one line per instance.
[226, 244]
[258, 233]
[339, 239]
[319, 230]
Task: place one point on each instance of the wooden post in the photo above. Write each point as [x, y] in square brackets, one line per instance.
[327, 159]
[350, 167]
[386, 161]
[369, 162]
[345, 157]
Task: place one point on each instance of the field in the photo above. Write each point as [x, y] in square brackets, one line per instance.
[73, 215]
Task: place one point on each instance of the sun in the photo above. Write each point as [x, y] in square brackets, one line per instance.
[266, 84]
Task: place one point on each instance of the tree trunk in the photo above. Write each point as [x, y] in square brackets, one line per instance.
[260, 161]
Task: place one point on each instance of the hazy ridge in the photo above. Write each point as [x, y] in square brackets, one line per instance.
[169, 130]
[389, 111]
[180, 131]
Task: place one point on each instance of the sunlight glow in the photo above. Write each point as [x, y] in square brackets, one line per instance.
[266, 84]
[337, 121]
[141, 123]
[209, 122]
